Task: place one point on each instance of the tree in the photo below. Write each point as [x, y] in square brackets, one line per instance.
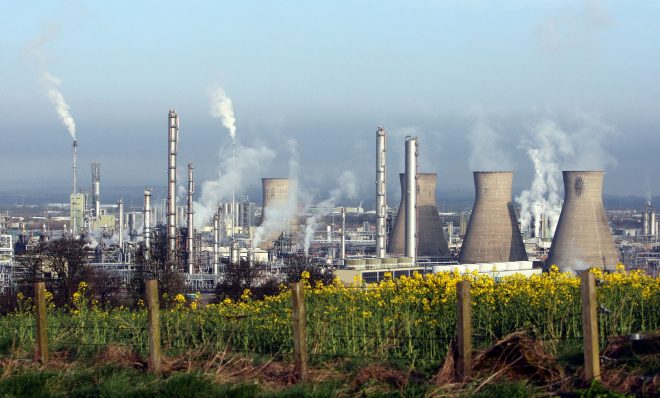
[61, 263]
[157, 263]
[238, 277]
[297, 264]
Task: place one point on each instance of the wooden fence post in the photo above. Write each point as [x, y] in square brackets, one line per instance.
[41, 353]
[299, 332]
[463, 331]
[590, 327]
[153, 317]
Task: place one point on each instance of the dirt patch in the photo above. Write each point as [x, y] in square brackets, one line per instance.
[518, 357]
[121, 356]
[378, 375]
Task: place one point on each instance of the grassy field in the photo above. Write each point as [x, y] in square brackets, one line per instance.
[404, 325]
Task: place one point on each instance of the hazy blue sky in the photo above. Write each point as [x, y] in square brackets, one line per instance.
[477, 81]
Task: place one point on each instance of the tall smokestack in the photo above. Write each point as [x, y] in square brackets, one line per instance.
[381, 192]
[120, 206]
[190, 237]
[343, 235]
[173, 138]
[583, 239]
[411, 198]
[146, 230]
[431, 239]
[216, 243]
[646, 219]
[493, 234]
[74, 225]
[96, 188]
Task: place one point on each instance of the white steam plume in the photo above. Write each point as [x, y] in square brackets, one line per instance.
[551, 150]
[346, 188]
[547, 148]
[51, 86]
[230, 174]
[487, 154]
[221, 107]
[280, 215]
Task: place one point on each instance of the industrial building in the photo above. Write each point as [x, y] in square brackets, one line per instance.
[352, 242]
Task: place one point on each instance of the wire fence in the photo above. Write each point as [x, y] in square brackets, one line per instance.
[355, 322]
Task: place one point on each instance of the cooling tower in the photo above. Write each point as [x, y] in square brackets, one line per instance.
[583, 239]
[492, 234]
[276, 194]
[431, 239]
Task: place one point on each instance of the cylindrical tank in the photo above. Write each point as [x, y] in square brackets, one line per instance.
[583, 238]
[404, 262]
[492, 234]
[373, 262]
[235, 254]
[389, 262]
[430, 234]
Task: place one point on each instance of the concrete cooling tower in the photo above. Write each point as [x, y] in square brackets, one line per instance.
[275, 194]
[492, 234]
[431, 239]
[583, 239]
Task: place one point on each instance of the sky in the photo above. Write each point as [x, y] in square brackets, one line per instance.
[479, 82]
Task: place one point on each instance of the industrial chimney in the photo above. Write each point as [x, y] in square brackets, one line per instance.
[74, 225]
[342, 249]
[493, 234]
[190, 237]
[96, 188]
[381, 192]
[431, 239]
[583, 239]
[173, 139]
[216, 243]
[146, 230]
[411, 197]
[120, 207]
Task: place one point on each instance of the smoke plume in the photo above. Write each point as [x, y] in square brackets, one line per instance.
[222, 108]
[547, 149]
[230, 174]
[487, 153]
[279, 216]
[346, 189]
[552, 149]
[51, 84]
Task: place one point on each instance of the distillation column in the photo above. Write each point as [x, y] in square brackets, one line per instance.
[120, 206]
[173, 138]
[343, 235]
[411, 198]
[190, 237]
[216, 243]
[381, 192]
[146, 230]
[96, 188]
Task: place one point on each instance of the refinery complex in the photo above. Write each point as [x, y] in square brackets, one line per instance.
[400, 236]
